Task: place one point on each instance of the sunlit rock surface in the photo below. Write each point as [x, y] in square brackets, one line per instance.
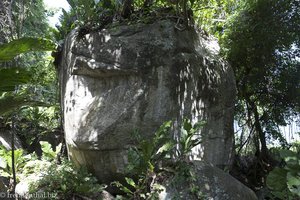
[6, 140]
[135, 77]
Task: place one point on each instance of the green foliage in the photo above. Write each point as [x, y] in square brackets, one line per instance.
[38, 166]
[20, 161]
[11, 77]
[284, 182]
[10, 50]
[30, 19]
[9, 103]
[149, 152]
[88, 15]
[45, 174]
[66, 179]
[209, 15]
[84, 10]
[14, 76]
[33, 123]
[48, 153]
[27, 33]
[151, 157]
[188, 138]
[142, 160]
[6, 161]
[261, 41]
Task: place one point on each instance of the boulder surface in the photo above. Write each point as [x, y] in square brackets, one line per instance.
[211, 184]
[135, 77]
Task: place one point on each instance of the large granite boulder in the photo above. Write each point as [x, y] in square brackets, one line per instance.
[135, 77]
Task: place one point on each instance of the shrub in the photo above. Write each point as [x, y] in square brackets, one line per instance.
[284, 181]
[159, 157]
[66, 180]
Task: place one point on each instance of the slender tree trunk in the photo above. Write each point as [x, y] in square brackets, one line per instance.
[13, 155]
[258, 129]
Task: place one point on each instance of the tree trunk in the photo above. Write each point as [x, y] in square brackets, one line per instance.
[127, 8]
[13, 158]
[258, 129]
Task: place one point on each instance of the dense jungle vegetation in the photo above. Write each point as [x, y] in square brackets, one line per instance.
[259, 38]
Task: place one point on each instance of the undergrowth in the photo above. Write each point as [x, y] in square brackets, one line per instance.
[153, 161]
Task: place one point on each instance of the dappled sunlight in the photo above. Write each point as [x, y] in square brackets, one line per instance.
[140, 97]
[122, 83]
[201, 95]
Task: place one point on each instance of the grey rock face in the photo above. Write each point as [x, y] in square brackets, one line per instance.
[135, 77]
[212, 183]
[4, 182]
[6, 137]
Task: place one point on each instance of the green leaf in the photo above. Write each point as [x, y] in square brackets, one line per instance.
[166, 147]
[284, 153]
[277, 180]
[122, 187]
[289, 157]
[18, 155]
[24, 45]
[187, 125]
[147, 149]
[130, 182]
[194, 143]
[63, 187]
[83, 188]
[47, 150]
[150, 166]
[293, 166]
[12, 77]
[199, 125]
[184, 134]
[72, 3]
[293, 183]
[9, 103]
[164, 128]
